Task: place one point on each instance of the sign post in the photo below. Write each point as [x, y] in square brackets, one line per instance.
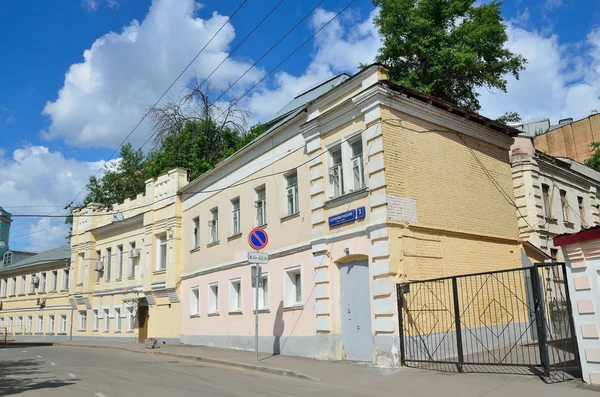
[258, 239]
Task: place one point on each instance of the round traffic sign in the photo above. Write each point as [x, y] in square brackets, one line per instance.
[257, 238]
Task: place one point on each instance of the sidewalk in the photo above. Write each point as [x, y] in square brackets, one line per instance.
[363, 376]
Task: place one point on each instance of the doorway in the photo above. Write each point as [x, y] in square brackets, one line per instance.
[355, 311]
[142, 320]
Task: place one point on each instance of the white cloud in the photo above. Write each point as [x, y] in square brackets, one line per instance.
[555, 83]
[92, 5]
[36, 176]
[122, 74]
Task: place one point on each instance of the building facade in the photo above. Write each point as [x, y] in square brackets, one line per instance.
[554, 196]
[359, 186]
[34, 297]
[126, 266]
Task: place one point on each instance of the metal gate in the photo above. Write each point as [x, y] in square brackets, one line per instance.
[511, 321]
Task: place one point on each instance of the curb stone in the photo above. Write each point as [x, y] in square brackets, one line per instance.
[252, 367]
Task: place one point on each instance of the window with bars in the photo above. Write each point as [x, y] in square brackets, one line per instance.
[292, 193]
[261, 205]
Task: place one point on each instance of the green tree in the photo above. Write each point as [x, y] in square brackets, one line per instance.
[594, 160]
[509, 117]
[446, 48]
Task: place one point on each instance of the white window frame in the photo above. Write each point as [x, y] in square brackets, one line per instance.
[107, 264]
[53, 280]
[213, 225]
[10, 324]
[213, 298]
[20, 324]
[119, 263]
[335, 171]
[2, 325]
[235, 295]
[106, 316]
[42, 282]
[29, 324]
[132, 260]
[3, 287]
[291, 194]
[31, 284]
[7, 258]
[117, 313]
[235, 217]
[195, 301]
[98, 259]
[130, 319]
[290, 288]
[39, 324]
[81, 275]
[62, 323]
[23, 286]
[564, 205]
[263, 293]
[66, 273]
[357, 162]
[13, 286]
[196, 233]
[95, 319]
[51, 323]
[162, 251]
[260, 204]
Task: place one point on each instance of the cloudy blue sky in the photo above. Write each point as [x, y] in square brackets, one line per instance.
[76, 76]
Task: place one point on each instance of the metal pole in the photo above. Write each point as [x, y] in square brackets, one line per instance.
[459, 343]
[256, 311]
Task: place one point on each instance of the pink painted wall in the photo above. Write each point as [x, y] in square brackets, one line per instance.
[297, 321]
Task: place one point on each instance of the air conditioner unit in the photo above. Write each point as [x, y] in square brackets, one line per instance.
[99, 266]
[41, 301]
[35, 279]
[134, 253]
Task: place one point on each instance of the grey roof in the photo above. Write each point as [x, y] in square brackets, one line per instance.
[308, 95]
[53, 255]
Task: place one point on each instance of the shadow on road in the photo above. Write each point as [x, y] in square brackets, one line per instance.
[19, 376]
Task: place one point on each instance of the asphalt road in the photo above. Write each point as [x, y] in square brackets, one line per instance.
[63, 371]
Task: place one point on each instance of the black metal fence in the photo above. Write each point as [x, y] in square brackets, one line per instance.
[516, 321]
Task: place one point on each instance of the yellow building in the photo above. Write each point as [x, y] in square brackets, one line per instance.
[34, 297]
[360, 183]
[126, 263]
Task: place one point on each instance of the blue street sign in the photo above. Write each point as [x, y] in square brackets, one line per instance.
[258, 238]
[347, 216]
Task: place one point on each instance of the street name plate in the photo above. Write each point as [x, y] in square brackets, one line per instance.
[258, 258]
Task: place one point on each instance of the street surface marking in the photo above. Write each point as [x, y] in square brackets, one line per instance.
[52, 364]
[100, 395]
[70, 374]
[24, 351]
[38, 356]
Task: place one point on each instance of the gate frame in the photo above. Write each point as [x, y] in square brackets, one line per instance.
[539, 308]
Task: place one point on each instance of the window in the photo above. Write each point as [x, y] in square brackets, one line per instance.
[196, 233]
[39, 324]
[29, 324]
[99, 264]
[2, 325]
[564, 204]
[7, 259]
[261, 205]
[117, 312]
[95, 320]
[50, 329]
[3, 288]
[9, 324]
[213, 224]
[119, 263]
[263, 293]
[82, 320]
[336, 172]
[65, 279]
[107, 264]
[292, 193]
[133, 256]
[32, 279]
[553, 254]
[581, 210]
[23, 285]
[62, 325]
[106, 313]
[235, 216]
[81, 274]
[235, 295]
[194, 301]
[213, 298]
[161, 254]
[42, 282]
[130, 319]
[53, 279]
[293, 287]
[13, 286]
[358, 174]
[20, 324]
